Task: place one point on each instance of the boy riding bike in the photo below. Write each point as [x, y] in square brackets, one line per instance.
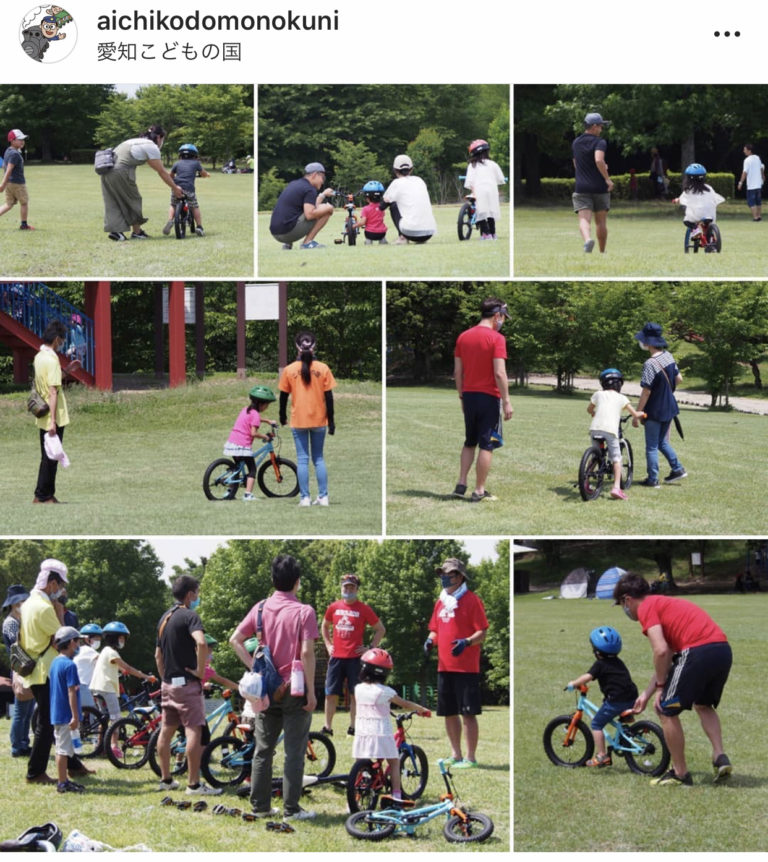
[184, 172]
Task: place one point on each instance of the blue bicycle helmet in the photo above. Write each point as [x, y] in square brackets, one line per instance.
[116, 627]
[611, 378]
[91, 629]
[373, 190]
[605, 639]
[187, 151]
[695, 170]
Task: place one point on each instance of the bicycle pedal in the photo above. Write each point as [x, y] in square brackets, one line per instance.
[166, 800]
[200, 806]
[183, 805]
[274, 826]
[249, 816]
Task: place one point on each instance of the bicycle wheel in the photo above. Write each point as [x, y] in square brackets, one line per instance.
[126, 743]
[219, 481]
[591, 473]
[360, 825]
[414, 772]
[321, 755]
[654, 757]
[627, 463]
[465, 221]
[191, 222]
[715, 238]
[563, 753]
[472, 826]
[687, 244]
[178, 752]
[284, 485]
[180, 219]
[226, 762]
[351, 231]
[93, 729]
[365, 784]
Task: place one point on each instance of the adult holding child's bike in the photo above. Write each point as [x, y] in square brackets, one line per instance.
[309, 383]
[657, 400]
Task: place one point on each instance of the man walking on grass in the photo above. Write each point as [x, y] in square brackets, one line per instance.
[481, 380]
[593, 189]
[691, 660]
[754, 176]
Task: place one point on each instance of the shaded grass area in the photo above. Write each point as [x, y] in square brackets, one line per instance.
[138, 460]
[444, 255]
[644, 239]
[67, 212]
[122, 807]
[534, 474]
[613, 809]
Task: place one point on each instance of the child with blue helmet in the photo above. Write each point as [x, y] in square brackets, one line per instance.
[699, 199]
[371, 215]
[605, 407]
[184, 172]
[615, 683]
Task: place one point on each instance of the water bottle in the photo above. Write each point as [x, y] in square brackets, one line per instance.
[76, 741]
[297, 678]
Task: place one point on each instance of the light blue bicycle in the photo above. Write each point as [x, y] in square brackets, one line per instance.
[461, 826]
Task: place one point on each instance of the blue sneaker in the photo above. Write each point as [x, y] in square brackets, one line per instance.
[312, 244]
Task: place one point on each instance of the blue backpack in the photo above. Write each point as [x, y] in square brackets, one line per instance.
[272, 683]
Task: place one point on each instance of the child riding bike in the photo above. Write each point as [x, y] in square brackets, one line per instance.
[605, 408]
[615, 683]
[184, 172]
[699, 199]
[239, 445]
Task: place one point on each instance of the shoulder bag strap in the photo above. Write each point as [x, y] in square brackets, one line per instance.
[164, 623]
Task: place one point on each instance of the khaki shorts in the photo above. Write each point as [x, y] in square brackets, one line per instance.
[183, 704]
[302, 227]
[62, 736]
[16, 193]
[595, 202]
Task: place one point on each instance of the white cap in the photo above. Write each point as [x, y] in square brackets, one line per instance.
[402, 163]
[16, 134]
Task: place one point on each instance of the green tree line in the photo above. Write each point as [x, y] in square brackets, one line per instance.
[356, 131]
[122, 579]
[564, 329]
[66, 122]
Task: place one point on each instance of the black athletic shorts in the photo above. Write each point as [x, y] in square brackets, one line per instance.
[481, 416]
[697, 676]
[458, 693]
[340, 669]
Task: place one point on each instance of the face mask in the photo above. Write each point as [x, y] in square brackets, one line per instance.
[446, 580]
[194, 605]
[626, 611]
[499, 324]
[121, 643]
[57, 595]
[77, 650]
[349, 597]
[96, 644]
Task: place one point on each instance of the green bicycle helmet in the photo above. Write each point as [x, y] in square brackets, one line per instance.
[211, 640]
[251, 644]
[262, 393]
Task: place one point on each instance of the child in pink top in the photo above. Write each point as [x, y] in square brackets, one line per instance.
[239, 445]
[371, 216]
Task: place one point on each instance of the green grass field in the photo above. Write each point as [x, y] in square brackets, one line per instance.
[67, 212]
[534, 474]
[558, 809]
[444, 255]
[138, 460]
[644, 239]
[121, 807]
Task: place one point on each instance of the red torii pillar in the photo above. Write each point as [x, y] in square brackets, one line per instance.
[98, 307]
[177, 366]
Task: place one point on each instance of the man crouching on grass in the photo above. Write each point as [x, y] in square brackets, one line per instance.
[691, 659]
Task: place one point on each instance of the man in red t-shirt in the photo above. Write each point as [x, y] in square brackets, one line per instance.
[343, 630]
[691, 660]
[458, 627]
[481, 380]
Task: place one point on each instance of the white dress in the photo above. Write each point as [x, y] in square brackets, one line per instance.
[484, 180]
[703, 206]
[374, 737]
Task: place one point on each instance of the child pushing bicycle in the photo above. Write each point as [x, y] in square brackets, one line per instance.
[605, 408]
[184, 172]
[699, 199]
[239, 445]
[374, 739]
[615, 684]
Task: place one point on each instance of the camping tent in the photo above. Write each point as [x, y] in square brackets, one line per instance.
[574, 585]
[608, 581]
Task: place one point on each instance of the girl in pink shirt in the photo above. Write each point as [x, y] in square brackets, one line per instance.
[239, 445]
[371, 217]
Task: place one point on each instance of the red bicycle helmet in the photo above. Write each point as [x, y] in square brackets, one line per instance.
[479, 146]
[377, 657]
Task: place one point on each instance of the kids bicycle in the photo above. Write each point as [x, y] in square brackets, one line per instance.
[461, 826]
[126, 743]
[183, 218]
[568, 741]
[350, 230]
[370, 779]
[703, 235]
[596, 465]
[277, 477]
[468, 214]
[226, 761]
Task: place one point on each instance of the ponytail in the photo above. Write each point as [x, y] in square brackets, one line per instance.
[306, 357]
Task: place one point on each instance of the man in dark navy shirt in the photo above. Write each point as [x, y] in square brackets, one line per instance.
[593, 185]
[300, 212]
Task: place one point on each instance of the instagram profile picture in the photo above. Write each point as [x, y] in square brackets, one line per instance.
[47, 33]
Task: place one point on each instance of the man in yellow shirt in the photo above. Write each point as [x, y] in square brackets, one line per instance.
[48, 386]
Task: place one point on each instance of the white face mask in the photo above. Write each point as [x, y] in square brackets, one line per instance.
[96, 644]
[121, 643]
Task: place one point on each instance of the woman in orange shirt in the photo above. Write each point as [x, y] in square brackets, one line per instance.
[309, 383]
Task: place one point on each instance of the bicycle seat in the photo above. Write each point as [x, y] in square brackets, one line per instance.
[391, 802]
[145, 710]
[627, 717]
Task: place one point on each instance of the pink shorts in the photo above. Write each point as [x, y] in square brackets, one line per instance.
[183, 704]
